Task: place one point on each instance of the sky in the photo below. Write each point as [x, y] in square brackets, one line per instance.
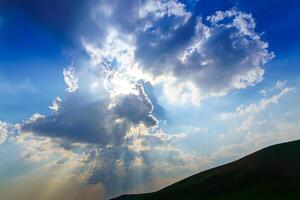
[100, 98]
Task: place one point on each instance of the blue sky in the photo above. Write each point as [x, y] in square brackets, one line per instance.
[130, 96]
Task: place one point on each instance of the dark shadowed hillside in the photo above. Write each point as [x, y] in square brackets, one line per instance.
[271, 173]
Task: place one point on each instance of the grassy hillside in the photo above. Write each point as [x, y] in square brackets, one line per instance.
[271, 173]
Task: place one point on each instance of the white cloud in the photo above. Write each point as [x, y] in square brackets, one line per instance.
[8, 131]
[70, 79]
[3, 132]
[216, 73]
[39, 149]
[256, 135]
[181, 92]
[255, 108]
[263, 92]
[279, 85]
[112, 115]
[159, 41]
[100, 122]
[252, 127]
[164, 8]
[55, 104]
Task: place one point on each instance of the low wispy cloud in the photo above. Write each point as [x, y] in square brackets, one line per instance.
[255, 108]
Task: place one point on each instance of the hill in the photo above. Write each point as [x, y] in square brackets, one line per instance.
[270, 173]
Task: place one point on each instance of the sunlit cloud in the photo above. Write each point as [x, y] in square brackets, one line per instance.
[70, 79]
[113, 130]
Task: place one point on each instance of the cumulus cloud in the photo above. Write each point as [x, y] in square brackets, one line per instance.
[70, 79]
[55, 104]
[104, 123]
[119, 135]
[204, 57]
[215, 72]
[108, 109]
[224, 56]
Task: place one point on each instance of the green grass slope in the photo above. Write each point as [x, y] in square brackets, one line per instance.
[271, 173]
